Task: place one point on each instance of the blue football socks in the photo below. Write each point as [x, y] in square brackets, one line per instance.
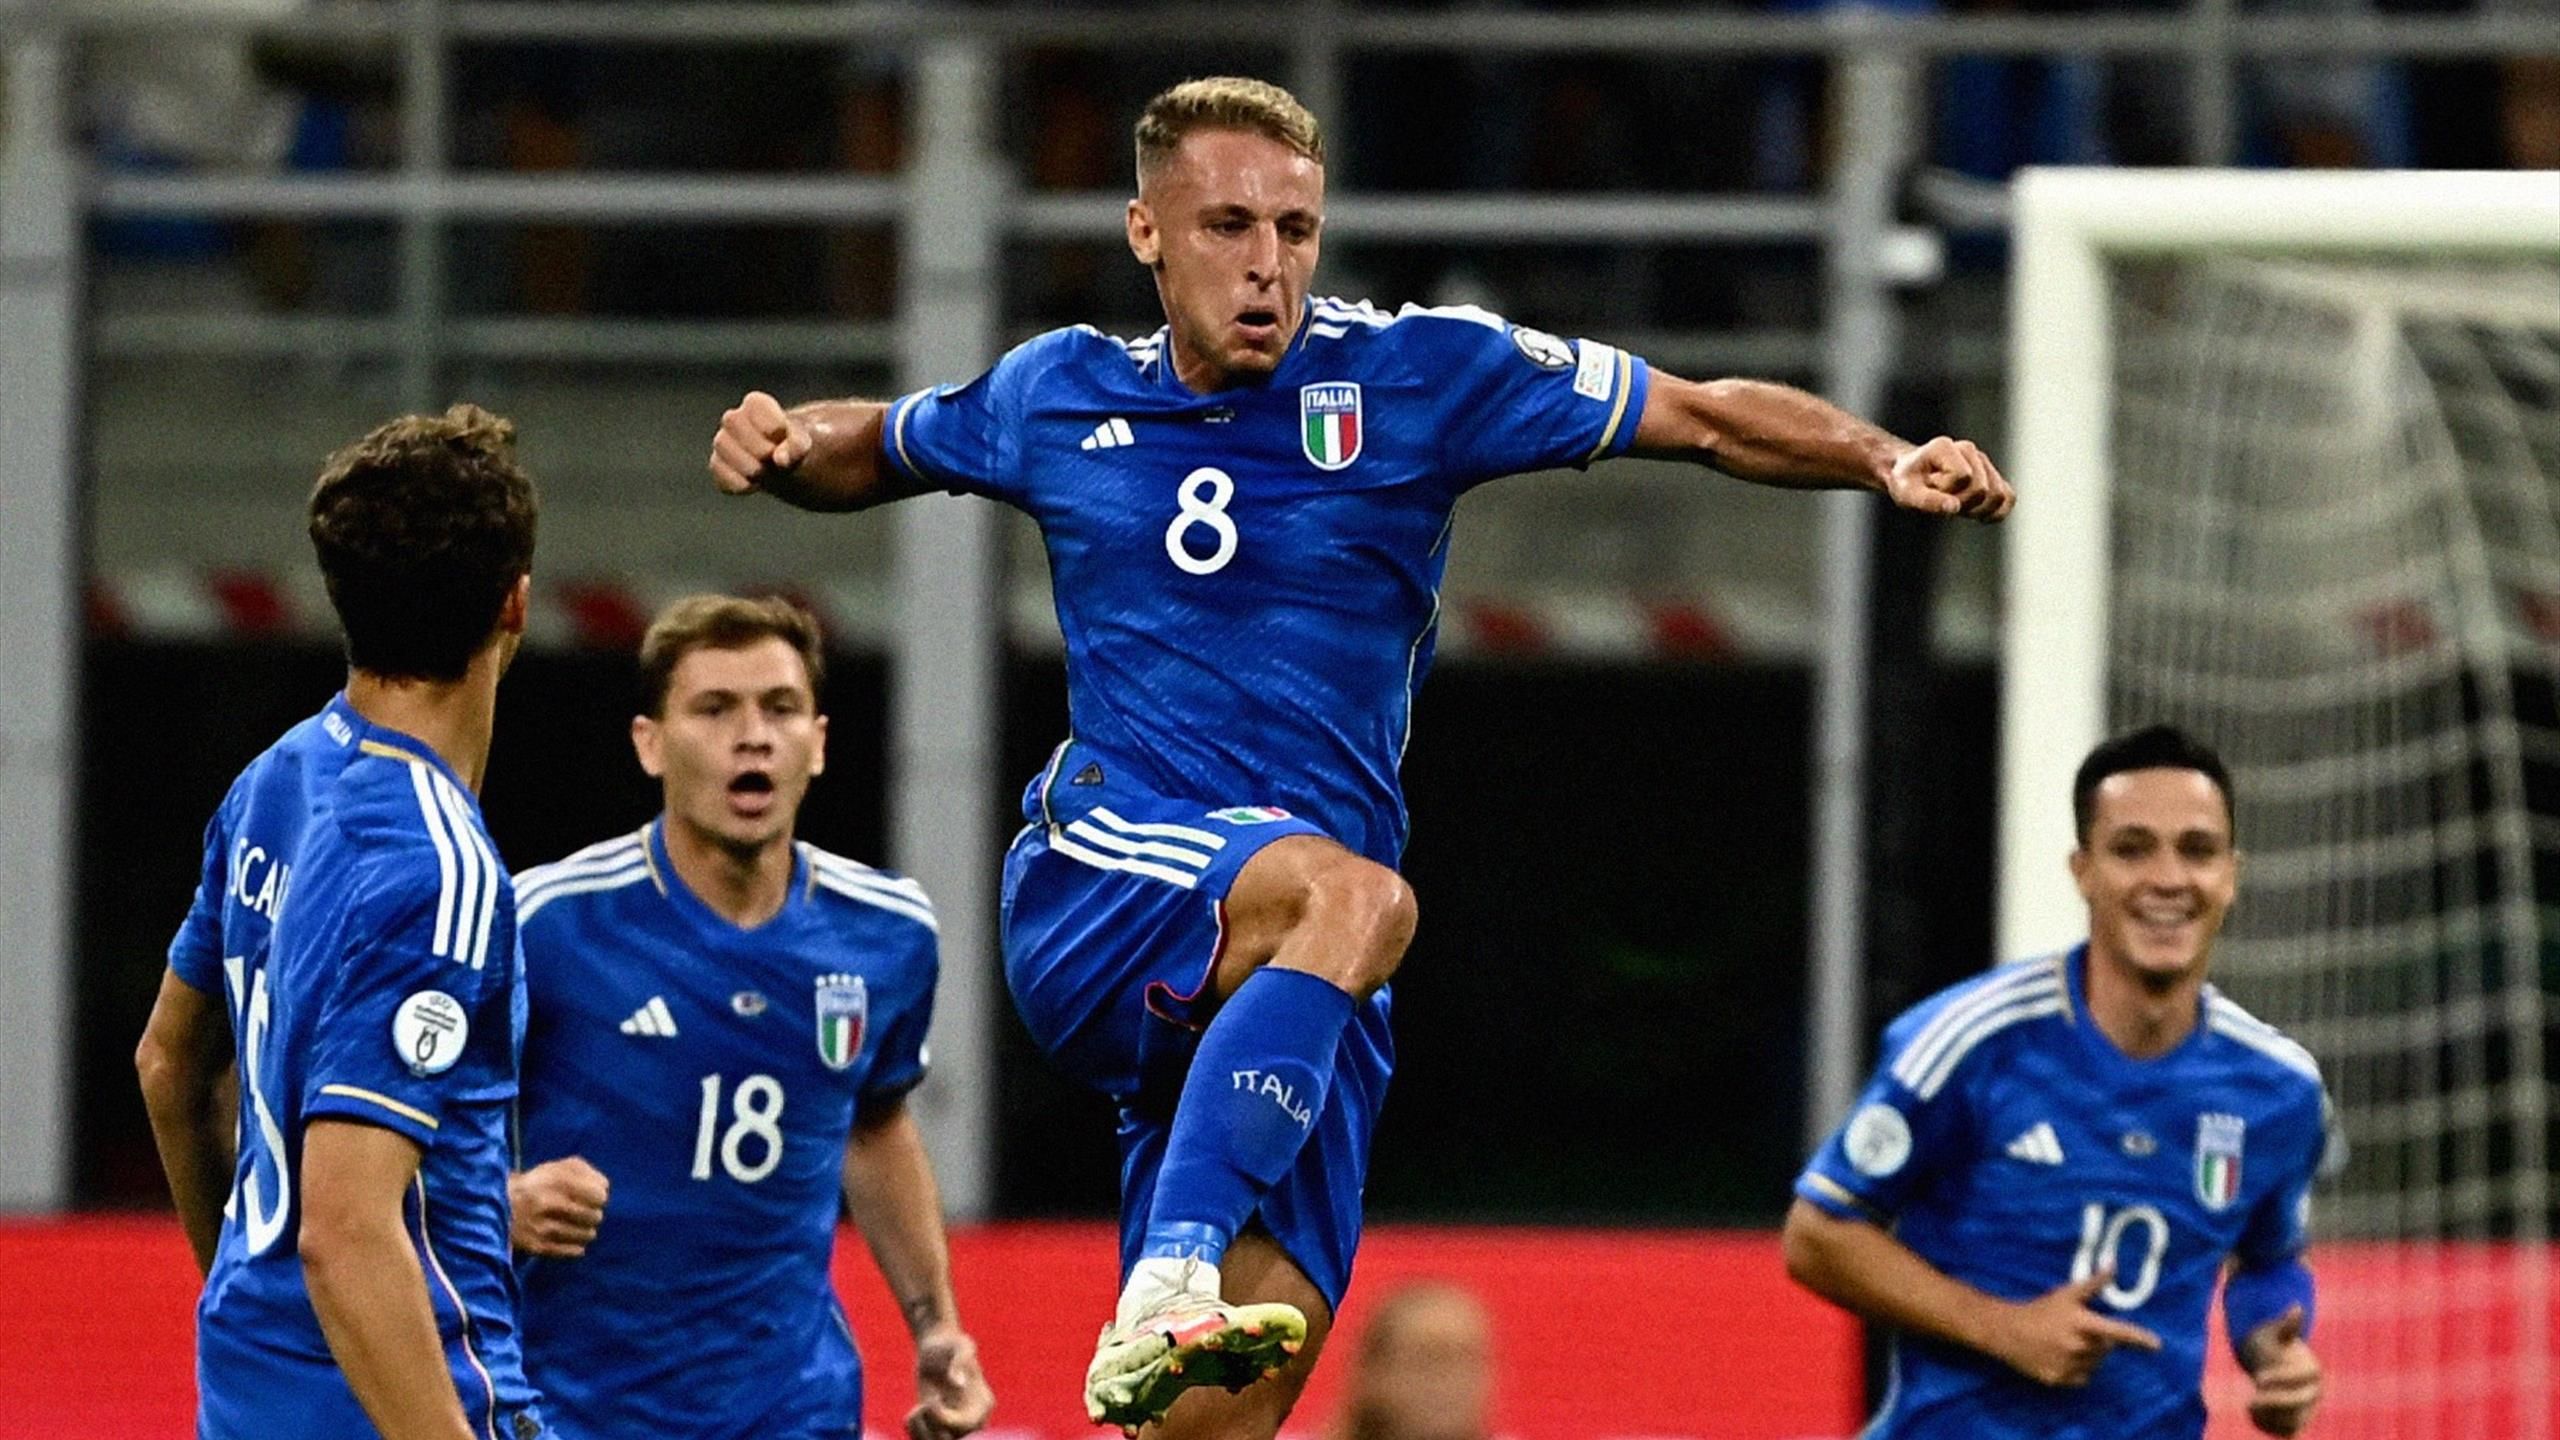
[1251, 1100]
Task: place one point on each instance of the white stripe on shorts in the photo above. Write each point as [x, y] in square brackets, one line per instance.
[1197, 859]
[1184, 833]
[1059, 842]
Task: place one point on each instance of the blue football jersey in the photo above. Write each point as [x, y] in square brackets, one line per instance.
[356, 918]
[1248, 581]
[714, 1075]
[2011, 1145]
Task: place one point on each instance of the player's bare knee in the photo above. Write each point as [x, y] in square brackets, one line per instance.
[1368, 913]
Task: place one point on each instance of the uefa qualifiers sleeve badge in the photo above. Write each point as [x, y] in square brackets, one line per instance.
[428, 1032]
[1878, 1141]
[1547, 352]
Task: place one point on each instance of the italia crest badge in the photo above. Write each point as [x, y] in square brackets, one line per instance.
[1329, 423]
[843, 1006]
[2218, 1159]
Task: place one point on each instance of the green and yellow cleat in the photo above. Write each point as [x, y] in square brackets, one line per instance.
[1141, 1368]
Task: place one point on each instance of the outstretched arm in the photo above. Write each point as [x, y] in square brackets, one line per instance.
[2054, 1339]
[889, 1187]
[1771, 434]
[824, 455]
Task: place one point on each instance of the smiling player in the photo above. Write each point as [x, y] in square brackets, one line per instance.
[1247, 516]
[2057, 1160]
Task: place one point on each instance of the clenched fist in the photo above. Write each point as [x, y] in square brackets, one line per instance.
[952, 1398]
[2284, 1376]
[557, 1207]
[1948, 477]
[757, 437]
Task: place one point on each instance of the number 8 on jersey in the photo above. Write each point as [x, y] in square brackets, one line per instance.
[1195, 511]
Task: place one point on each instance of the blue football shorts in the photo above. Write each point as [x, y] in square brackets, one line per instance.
[1113, 923]
[248, 1390]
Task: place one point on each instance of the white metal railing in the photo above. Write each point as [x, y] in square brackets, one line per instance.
[2228, 35]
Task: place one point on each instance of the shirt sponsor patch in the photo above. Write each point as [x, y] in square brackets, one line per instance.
[428, 1031]
[1547, 352]
[1878, 1141]
[1597, 374]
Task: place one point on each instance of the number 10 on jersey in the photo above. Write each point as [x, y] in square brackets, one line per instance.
[2102, 1236]
[755, 1114]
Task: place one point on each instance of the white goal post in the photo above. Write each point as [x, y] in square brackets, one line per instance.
[2287, 448]
[2068, 224]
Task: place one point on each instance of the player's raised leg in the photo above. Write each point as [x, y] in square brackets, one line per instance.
[1312, 932]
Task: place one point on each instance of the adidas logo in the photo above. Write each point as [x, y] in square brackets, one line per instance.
[2038, 1146]
[1109, 435]
[653, 1019]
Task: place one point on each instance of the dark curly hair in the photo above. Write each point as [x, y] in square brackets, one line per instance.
[422, 528]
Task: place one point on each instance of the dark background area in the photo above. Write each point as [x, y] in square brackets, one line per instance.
[1601, 1019]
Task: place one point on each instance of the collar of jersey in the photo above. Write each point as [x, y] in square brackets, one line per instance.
[398, 743]
[1279, 373]
[693, 907]
[2075, 972]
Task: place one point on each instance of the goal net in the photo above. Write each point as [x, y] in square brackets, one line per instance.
[2318, 507]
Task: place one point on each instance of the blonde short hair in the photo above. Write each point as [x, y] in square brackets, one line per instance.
[723, 622]
[1224, 102]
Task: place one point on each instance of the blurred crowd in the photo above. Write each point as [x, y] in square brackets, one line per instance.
[1409, 121]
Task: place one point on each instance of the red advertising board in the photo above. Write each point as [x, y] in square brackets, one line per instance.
[96, 1339]
[2443, 1340]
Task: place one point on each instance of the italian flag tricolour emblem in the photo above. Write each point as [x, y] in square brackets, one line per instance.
[1250, 814]
[1329, 423]
[843, 1004]
[2218, 1139]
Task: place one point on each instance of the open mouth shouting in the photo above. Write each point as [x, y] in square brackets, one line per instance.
[751, 793]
